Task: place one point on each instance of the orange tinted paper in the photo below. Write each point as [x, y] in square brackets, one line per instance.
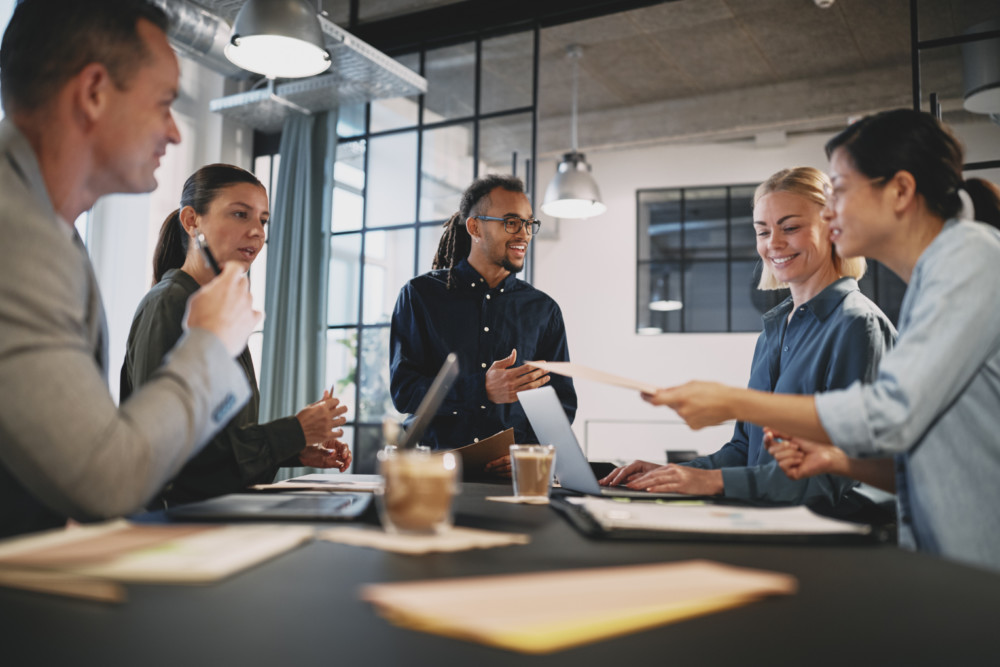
[550, 611]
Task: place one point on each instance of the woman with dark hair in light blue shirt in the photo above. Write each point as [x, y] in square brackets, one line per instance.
[824, 336]
[934, 408]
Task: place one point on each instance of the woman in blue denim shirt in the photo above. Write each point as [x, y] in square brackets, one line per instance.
[824, 336]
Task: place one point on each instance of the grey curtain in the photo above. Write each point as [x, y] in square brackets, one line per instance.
[294, 346]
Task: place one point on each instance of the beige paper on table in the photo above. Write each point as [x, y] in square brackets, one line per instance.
[86, 561]
[549, 611]
[579, 371]
[455, 539]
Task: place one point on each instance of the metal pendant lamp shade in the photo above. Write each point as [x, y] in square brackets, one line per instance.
[981, 70]
[279, 39]
[573, 193]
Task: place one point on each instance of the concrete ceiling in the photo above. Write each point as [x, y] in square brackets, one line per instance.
[710, 70]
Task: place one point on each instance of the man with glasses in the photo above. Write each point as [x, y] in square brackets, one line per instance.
[472, 304]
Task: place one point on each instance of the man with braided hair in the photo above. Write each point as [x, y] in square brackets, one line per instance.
[471, 304]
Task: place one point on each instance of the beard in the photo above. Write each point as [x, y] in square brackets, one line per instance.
[510, 266]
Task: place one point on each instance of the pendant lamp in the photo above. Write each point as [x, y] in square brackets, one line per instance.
[279, 39]
[573, 193]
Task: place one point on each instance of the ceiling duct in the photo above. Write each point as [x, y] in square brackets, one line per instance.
[358, 72]
[200, 36]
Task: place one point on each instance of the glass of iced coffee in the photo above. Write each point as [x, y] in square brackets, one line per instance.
[417, 490]
[531, 469]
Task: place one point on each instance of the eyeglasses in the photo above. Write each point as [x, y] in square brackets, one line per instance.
[833, 193]
[513, 224]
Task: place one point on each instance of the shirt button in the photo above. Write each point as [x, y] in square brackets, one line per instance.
[483, 365]
[482, 407]
[487, 296]
[475, 440]
[784, 349]
[455, 412]
[501, 289]
[486, 328]
[473, 284]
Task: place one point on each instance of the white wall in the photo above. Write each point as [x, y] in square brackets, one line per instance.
[590, 271]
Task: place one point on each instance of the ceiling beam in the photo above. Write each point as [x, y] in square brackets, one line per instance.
[463, 20]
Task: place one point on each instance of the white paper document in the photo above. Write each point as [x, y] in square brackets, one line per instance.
[717, 519]
[325, 482]
[579, 371]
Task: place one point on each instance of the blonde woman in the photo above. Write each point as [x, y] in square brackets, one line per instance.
[824, 336]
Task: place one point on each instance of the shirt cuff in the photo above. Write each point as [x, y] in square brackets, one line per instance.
[286, 440]
[842, 414]
[736, 483]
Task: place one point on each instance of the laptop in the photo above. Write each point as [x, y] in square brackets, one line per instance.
[428, 407]
[322, 506]
[547, 418]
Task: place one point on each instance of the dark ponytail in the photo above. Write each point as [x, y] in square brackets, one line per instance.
[456, 244]
[986, 200]
[171, 246]
[200, 190]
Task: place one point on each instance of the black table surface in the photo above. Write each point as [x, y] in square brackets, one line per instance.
[857, 605]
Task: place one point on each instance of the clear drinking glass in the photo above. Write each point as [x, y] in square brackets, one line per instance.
[417, 490]
[531, 469]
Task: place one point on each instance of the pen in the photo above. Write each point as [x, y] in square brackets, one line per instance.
[206, 254]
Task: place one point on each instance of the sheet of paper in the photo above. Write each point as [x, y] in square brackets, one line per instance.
[711, 518]
[581, 372]
[325, 482]
[549, 611]
[455, 539]
[152, 553]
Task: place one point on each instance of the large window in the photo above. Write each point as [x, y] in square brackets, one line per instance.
[698, 267]
[401, 168]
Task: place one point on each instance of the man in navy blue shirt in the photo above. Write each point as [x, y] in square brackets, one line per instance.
[471, 304]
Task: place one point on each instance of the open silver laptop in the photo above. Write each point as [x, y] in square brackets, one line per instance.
[550, 424]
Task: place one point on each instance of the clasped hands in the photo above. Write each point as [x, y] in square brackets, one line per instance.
[321, 422]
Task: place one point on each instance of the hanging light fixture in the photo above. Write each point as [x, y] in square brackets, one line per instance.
[660, 299]
[981, 70]
[279, 39]
[573, 192]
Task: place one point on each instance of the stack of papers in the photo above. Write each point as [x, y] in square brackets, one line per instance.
[91, 561]
[548, 611]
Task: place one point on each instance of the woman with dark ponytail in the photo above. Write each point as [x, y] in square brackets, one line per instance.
[927, 424]
[229, 206]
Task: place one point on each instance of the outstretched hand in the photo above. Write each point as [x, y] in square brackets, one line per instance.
[700, 404]
[503, 381]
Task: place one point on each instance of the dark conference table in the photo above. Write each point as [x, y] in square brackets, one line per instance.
[857, 605]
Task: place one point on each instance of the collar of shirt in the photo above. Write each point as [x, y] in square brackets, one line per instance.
[822, 305]
[468, 278]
